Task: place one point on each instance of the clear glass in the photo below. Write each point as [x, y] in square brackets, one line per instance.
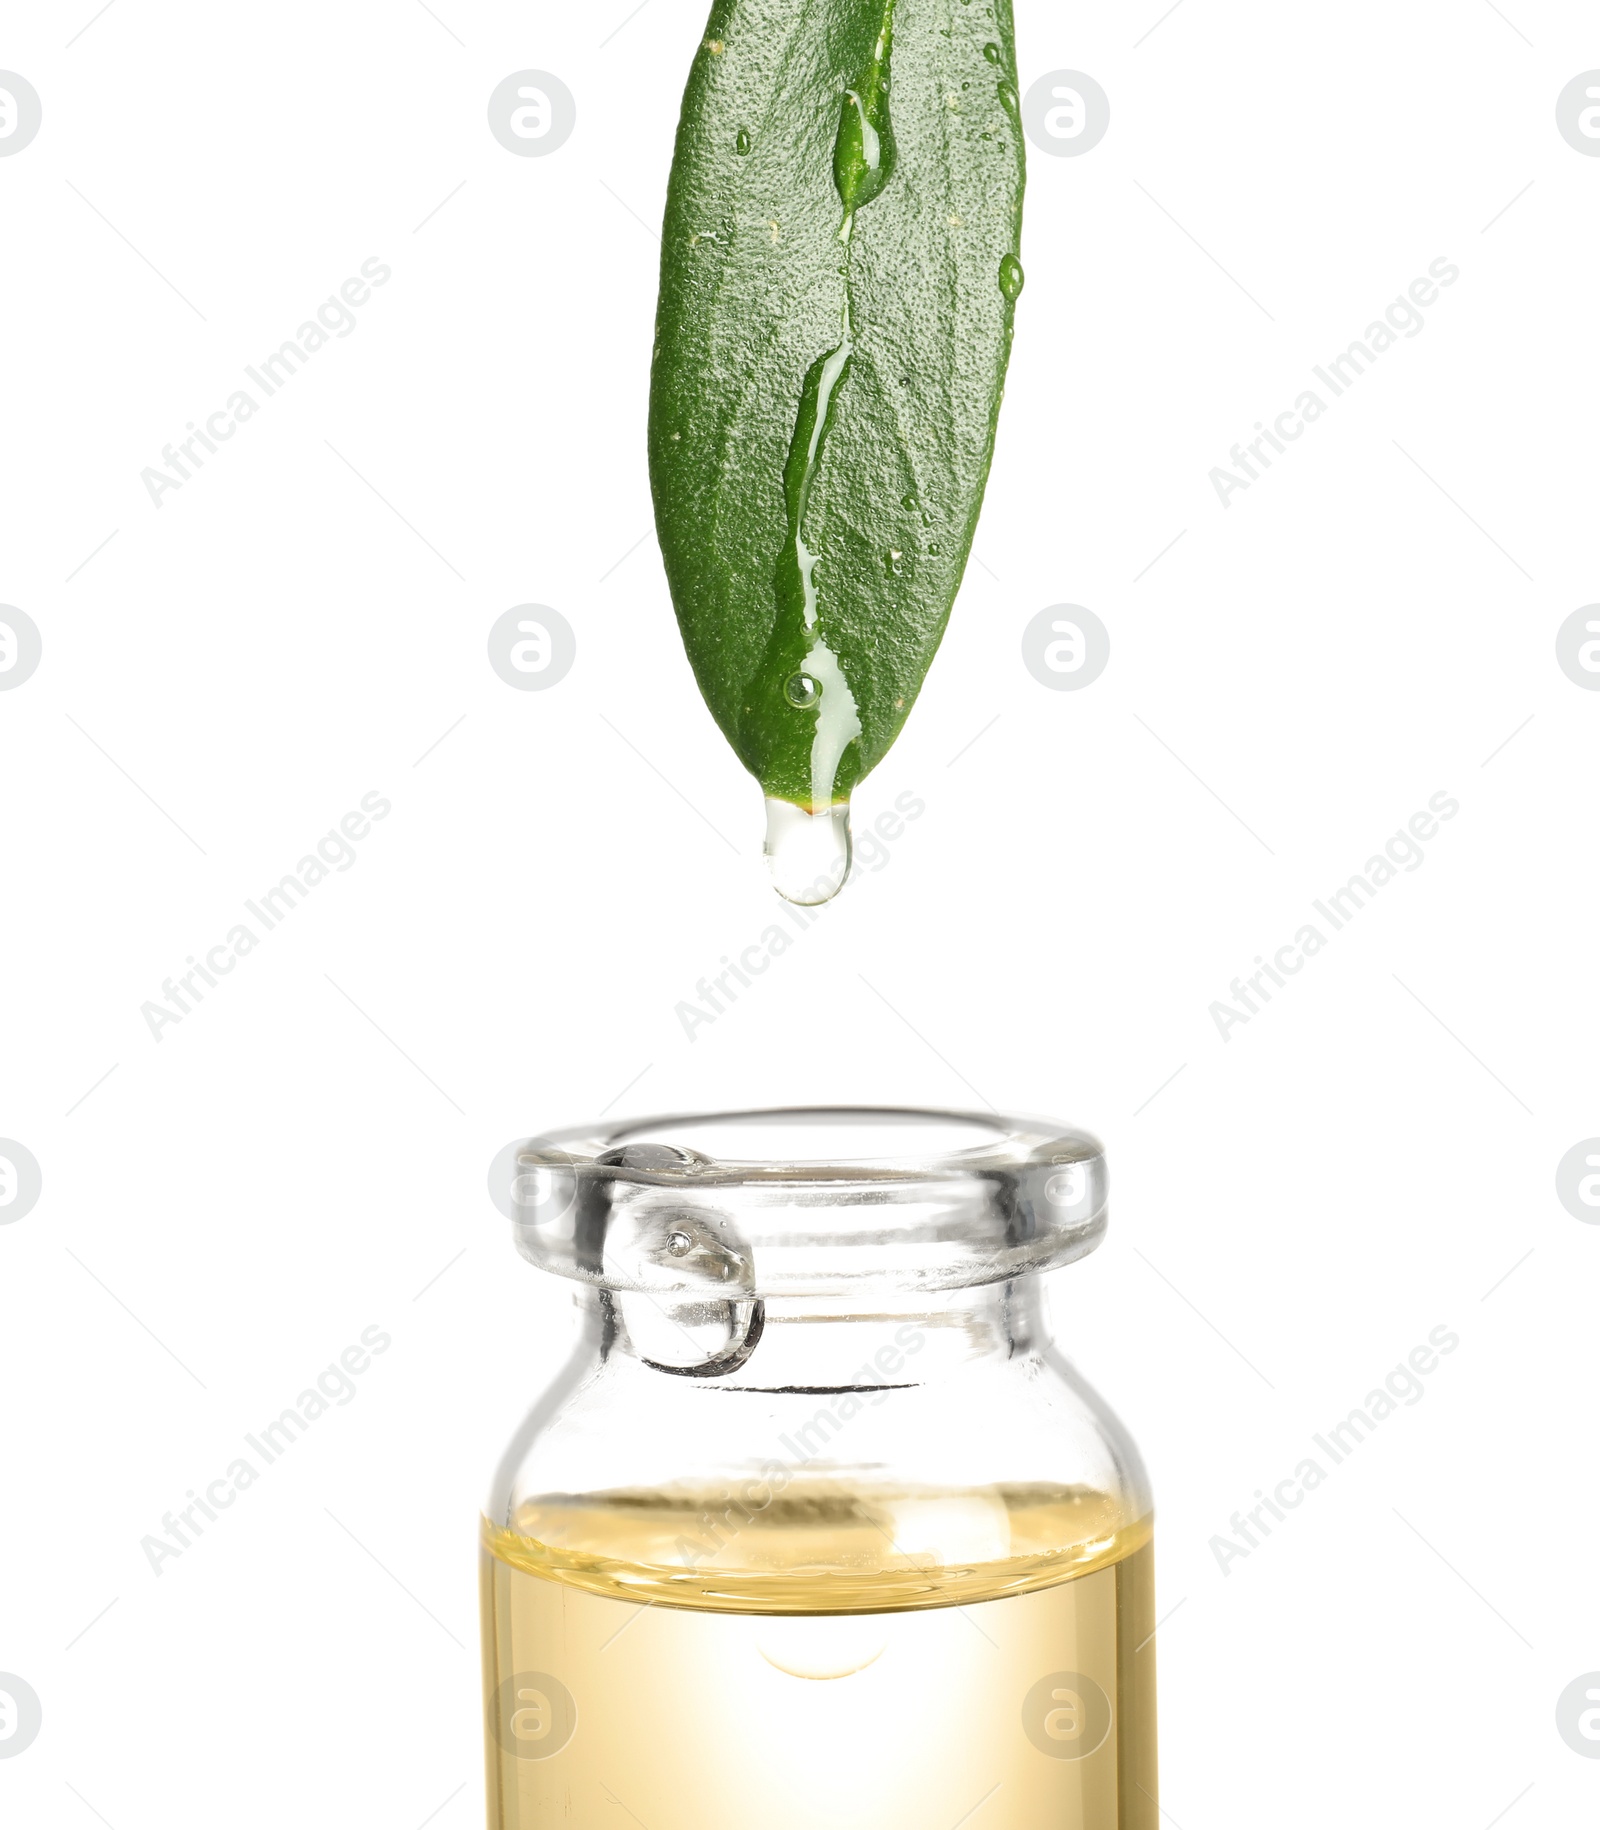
[817, 1526]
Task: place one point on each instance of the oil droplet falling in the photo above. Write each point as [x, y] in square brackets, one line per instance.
[1012, 278]
[742, 144]
[807, 853]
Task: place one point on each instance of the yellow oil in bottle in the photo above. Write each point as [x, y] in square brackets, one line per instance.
[821, 1657]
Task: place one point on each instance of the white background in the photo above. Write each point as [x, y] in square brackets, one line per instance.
[304, 1155]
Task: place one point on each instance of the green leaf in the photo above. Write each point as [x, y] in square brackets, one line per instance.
[838, 276]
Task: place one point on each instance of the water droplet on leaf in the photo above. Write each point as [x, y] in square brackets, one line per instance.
[992, 52]
[742, 143]
[1012, 278]
[802, 691]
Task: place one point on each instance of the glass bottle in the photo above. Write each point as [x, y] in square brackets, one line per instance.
[817, 1527]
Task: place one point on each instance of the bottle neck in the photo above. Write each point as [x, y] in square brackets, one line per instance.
[823, 1344]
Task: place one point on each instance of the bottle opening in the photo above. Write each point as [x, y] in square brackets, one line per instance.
[731, 1206]
[811, 1137]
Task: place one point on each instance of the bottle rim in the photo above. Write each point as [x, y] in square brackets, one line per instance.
[803, 1200]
